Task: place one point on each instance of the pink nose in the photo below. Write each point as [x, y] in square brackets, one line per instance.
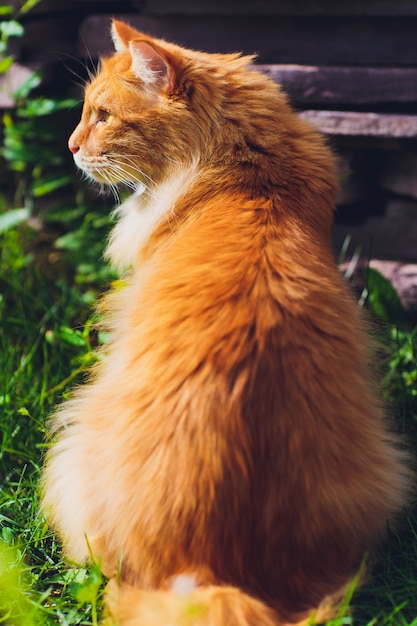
[73, 148]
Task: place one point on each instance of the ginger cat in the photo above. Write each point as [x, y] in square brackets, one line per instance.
[229, 450]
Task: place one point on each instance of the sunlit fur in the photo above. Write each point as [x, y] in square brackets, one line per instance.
[231, 432]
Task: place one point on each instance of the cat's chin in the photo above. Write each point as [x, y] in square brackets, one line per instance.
[110, 171]
[135, 183]
[98, 178]
[138, 187]
[103, 178]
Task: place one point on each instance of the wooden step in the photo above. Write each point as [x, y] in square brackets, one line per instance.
[357, 124]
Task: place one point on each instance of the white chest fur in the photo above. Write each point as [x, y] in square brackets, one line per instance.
[141, 213]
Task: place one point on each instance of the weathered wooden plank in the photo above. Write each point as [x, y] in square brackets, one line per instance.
[299, 8]
[49, 39]
[278, 7]
[399, 174]
[387, 125]
[391, 235]
[305, 40]
[57, 7]
[345, 85]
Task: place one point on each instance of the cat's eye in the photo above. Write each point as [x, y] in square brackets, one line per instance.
[103, 116]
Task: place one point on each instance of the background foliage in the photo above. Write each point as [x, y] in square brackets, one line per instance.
[52, 233]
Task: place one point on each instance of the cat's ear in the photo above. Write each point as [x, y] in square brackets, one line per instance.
[122, 34]
[151, 64]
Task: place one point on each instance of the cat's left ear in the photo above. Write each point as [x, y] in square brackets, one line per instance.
[121, 34]
[151, 64]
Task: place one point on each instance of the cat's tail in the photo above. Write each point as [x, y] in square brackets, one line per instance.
[200, 606]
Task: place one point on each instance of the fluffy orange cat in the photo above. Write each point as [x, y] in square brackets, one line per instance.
[229, 450]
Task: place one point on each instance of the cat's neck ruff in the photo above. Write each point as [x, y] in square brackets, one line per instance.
[141, 214]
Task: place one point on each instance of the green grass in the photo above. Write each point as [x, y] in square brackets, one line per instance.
[39, 353]
[46, 342]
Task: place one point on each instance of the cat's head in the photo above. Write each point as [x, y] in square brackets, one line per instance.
[152, 105]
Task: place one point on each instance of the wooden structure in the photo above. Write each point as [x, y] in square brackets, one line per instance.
[349, 66]
[325, 53]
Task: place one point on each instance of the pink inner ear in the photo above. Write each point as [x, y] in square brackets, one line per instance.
[150, 65]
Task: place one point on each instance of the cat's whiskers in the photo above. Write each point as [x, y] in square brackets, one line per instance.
[92, 73]
[115, 169]
[140, 183]
[113, 188]
[115, 191]
[128, 160]
[135, 183]
[103, 186]
[86, 175]
[109, 170]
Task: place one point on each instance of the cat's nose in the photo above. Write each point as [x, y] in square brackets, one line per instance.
[73, 147]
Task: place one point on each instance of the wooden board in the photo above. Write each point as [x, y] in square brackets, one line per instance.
[331, 86]
[278, 7]
[353, 124]
[305, 40]
[342, 8]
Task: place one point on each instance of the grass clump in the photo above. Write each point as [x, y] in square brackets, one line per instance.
[45, 338]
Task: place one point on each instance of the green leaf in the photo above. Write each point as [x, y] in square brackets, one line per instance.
[7, 120]
[70, 336]
[384, 300]
[75, 241]
[39, 107]
[70, 241]
[64, 214]
[13, 218]
[11, 29]
[18, 153]
[88, 591]
[16, 601]
[27, 86]
[7, 534]
[43, 187]
[28, 6]
[5, 64]
[5, 9]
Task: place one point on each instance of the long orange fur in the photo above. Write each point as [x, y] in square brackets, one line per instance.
[231, 438]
